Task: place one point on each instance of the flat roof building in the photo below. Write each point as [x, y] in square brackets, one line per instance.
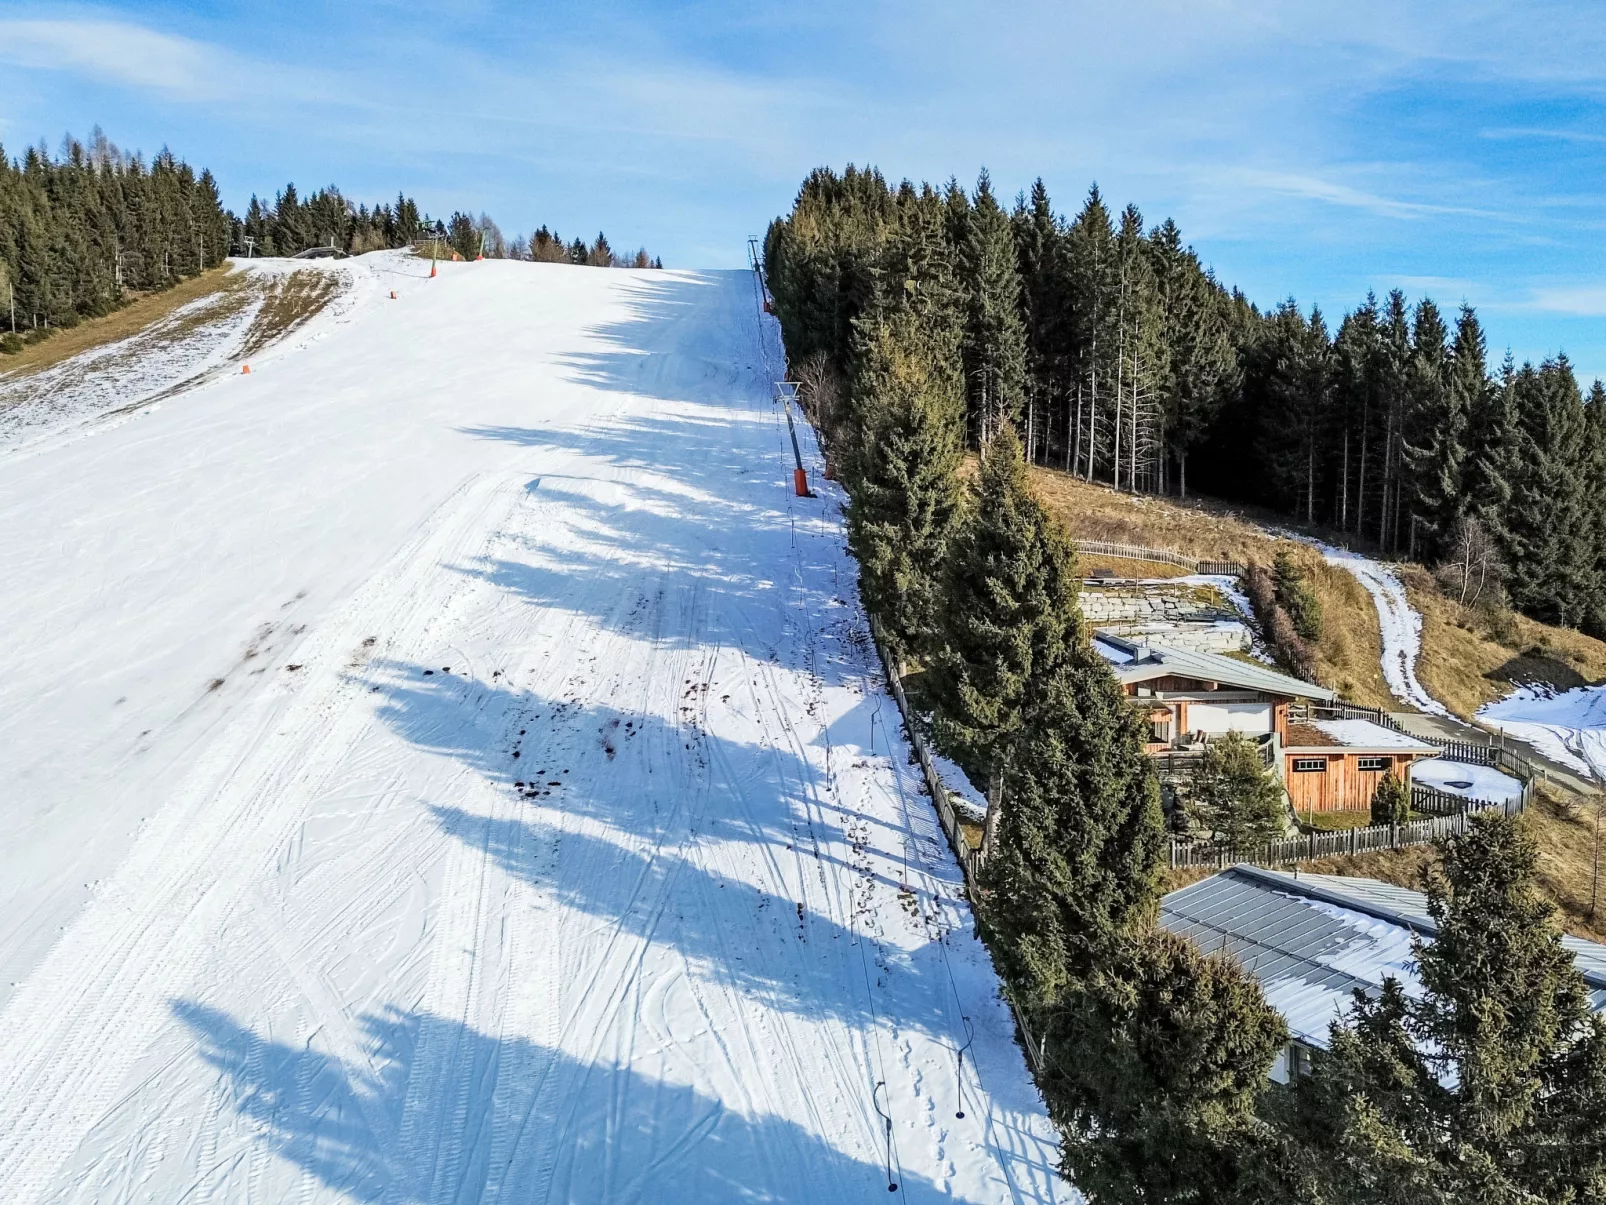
[1312, 940]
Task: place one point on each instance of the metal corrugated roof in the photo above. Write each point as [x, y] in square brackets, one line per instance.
[1133, 662]
[1312, 940]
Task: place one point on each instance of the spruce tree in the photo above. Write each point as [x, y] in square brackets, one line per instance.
[1235, 795]
[1155, 1065]
[1491, 1084]
[1077, 868]
[995, 338]
[1009, 618]
[904, 472]
[1439, 387]
[1391, 803]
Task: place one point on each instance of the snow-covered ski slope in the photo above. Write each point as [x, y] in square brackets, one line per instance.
[279, 922]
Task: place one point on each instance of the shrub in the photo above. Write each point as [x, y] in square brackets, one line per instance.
[1391, 802]
[1276, 628]
[1236, 795]
[1295, 596]
[10, 344]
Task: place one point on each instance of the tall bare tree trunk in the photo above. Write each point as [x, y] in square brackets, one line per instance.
[995, 810]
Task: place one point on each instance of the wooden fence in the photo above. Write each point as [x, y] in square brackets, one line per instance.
[970, 860]
[1136, 552]
[1496, 756]
[1309, 846]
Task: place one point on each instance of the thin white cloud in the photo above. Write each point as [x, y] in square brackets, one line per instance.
[1298, 184]
[1578, 301]
[135, 56]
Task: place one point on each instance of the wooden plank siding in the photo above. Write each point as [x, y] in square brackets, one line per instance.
[1342, 786]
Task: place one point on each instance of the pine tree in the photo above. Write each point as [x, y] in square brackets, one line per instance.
[1391, 803]
[1077, 868]
[1490, 1085]
[1235, 795]
[1545, 523]
[1009, 618]
[1439, 386]
[904, 473]
[995, 338]
[1156, 1063]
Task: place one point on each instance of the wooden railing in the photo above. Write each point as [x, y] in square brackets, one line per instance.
[1136, 552]
[970, 860]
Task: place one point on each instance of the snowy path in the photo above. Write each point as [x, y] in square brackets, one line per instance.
[448, 765]
[1400, 623]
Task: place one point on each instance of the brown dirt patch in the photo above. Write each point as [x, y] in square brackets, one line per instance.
[291, 300]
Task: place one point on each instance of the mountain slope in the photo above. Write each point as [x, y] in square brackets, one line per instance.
[450, 765]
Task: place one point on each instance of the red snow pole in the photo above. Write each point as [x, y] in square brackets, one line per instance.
[245, 368]
[800, 480]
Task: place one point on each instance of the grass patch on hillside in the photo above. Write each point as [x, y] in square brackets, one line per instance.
[1087, 564]
[139, 313]
[1470, 658]
[290, 301]
[1335, 822]
[1349, 654]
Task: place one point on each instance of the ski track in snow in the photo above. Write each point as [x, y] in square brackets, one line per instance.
[1568, 726]
[457, 776]
[1399, 622]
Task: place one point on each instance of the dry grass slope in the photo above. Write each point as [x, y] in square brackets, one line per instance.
[1349, 654]
[139, 313]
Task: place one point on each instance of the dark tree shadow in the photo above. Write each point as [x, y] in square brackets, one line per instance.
[796, 961]
[580, 1131]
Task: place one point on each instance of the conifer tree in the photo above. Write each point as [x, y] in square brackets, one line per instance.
[1545, 523]
[1391, 804]
[1155, 1065]
[995, 338]
[1009, 618]
[1077, 867]
[1490, 1085]
[904, 473]
[1235, 795]
[1435, 442]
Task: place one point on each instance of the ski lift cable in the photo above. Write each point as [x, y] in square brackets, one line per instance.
[953, 983]
[894, 1162]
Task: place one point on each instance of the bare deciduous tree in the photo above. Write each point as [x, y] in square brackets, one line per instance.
[1473, 570]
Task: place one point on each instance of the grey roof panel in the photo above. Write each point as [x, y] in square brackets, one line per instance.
[1313, 940]
[1138, 663]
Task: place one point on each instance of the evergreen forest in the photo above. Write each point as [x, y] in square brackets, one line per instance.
[83, 230]
[1119, 357]
[920, 323]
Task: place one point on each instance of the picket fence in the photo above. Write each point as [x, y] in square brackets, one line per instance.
[1136, 552]
[1309, 846]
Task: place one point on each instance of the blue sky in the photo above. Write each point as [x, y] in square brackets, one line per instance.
[1308, 149]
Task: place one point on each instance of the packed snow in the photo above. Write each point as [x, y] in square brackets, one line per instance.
[1566, 726]
[1466, 779]
[448, 764]
[1400, 623]
[195, 343]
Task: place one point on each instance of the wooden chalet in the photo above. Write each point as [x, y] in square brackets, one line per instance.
[1193, 697]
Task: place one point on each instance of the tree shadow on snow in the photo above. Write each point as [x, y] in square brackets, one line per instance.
[436, 1111]
[666, 793]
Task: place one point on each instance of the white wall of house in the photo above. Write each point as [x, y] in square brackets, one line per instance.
[1213, 718]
